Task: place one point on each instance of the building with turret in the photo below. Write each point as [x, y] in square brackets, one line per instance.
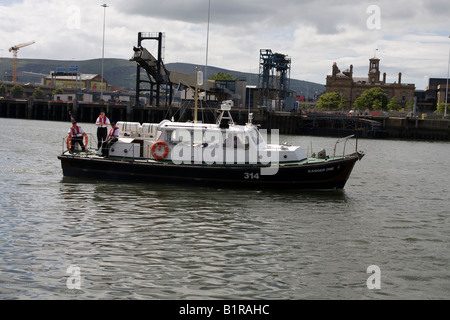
[350, 87]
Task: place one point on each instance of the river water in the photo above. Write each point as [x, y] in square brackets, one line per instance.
[63, 238]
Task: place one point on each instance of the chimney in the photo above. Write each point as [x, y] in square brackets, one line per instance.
[400, 78]
[384, 78]
[335, 70]
[351, 71]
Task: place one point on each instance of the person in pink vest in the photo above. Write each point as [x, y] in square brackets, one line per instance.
[102, 124]
[112, 138]
[76, 133]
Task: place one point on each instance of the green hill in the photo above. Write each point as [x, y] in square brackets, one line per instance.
[122, 73]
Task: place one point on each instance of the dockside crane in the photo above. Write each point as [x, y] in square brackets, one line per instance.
[14, 61]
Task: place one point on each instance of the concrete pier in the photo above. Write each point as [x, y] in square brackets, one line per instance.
[337, 125]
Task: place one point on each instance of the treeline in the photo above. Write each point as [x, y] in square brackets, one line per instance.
[371, 99]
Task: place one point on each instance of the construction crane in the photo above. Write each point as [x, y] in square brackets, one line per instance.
[14, 51]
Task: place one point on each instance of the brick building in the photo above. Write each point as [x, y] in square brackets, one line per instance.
[350, 87]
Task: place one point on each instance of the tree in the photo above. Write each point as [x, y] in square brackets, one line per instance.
[38, 93]
[2, 90]
[441, 108]
[58, 91]
[17, 91]
[373, 98]
[222, 76]
[393, 105]
[330, 101]
[409, 106]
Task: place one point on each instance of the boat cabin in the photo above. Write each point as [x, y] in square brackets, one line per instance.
[187, 142]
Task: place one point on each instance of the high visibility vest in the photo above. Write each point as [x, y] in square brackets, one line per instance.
[111, 132]
[76, 132]
[102, 120]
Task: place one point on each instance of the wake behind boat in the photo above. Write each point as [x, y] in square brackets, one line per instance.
[220, 154]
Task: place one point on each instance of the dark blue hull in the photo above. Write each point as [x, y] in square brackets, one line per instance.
[331, 174]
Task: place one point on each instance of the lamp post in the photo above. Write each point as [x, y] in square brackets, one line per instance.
[103, 50]
[207, 49]
[446, 89]
[1, 60]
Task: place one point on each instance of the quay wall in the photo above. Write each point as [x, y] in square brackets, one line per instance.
[285, 122]
[414, 128]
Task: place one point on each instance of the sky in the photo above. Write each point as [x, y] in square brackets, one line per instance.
[408, 36]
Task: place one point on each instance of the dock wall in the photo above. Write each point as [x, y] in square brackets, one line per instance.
[414, 128]
[286, 122]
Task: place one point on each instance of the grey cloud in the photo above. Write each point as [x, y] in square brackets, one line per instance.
[325, 15]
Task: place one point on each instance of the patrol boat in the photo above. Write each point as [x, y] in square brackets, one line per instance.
[218, 154]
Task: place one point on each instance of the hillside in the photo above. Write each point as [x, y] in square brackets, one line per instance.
[298, 86]
[122, 73]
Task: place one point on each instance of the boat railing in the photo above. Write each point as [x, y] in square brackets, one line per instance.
[345, 140]
[91, 143]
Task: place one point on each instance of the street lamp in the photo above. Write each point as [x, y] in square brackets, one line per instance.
[207, 49]
[103, 50]
[1, 60]
[446, 89]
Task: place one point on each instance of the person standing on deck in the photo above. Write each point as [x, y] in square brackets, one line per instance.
[102, 124]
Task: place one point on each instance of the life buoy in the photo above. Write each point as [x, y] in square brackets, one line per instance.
[69, 140]
[159, 150]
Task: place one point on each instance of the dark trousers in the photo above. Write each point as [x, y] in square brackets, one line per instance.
[107, 145]
[102, 133]
[78, 140]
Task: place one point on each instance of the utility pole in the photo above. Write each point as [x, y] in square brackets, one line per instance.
[446, 89]
[207, 49]
[103, 50]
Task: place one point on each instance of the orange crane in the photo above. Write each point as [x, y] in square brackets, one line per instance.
[14, 50]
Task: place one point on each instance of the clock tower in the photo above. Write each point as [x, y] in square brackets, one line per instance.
[374, 71]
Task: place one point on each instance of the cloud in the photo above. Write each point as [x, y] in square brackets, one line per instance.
[325, 15]
[411, 36]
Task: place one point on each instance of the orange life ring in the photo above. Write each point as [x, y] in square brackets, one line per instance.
[156, 150]
[69, 140]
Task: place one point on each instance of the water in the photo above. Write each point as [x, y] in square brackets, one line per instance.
[144, 241]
